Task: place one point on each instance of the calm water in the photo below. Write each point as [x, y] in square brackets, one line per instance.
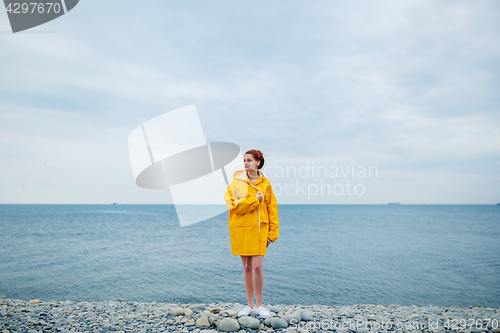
[441, 255]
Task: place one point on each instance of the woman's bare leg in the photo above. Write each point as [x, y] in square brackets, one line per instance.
[258, 279]
[248, 278]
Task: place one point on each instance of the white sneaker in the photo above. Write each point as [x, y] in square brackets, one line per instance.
[246, 311]
[262, 311]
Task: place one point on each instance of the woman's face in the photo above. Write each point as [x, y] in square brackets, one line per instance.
[250, 162]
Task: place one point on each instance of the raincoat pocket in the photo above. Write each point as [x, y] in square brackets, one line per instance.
[242, 221]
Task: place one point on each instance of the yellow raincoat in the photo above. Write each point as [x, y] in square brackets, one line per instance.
[251, 222]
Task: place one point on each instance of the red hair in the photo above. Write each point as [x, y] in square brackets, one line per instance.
[257, 155]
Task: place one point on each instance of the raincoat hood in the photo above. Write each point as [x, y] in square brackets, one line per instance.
[243, 176]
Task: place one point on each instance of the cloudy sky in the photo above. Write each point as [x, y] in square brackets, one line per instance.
[410, 88]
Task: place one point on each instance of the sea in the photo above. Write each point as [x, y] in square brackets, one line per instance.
[439, 255]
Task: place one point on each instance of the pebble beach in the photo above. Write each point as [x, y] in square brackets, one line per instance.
[39, 316]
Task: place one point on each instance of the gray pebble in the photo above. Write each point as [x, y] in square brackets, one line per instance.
[292, 318]
[306, 316]
[176, 311]
[203, 322]
[275, 309]
[197, 307]
[229, 325]
[277, 322]
[249, 322]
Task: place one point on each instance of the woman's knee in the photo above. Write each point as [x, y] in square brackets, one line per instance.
[247, 263]
[248, 267]
[257, 264]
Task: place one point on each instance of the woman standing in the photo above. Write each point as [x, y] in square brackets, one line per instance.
[253, 225]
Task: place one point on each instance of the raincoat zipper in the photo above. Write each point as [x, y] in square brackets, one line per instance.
[259, 204]
[257, 190]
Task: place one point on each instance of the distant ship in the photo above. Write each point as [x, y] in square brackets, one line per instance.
[393, 203]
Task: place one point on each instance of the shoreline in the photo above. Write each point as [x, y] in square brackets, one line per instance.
[36, 316]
